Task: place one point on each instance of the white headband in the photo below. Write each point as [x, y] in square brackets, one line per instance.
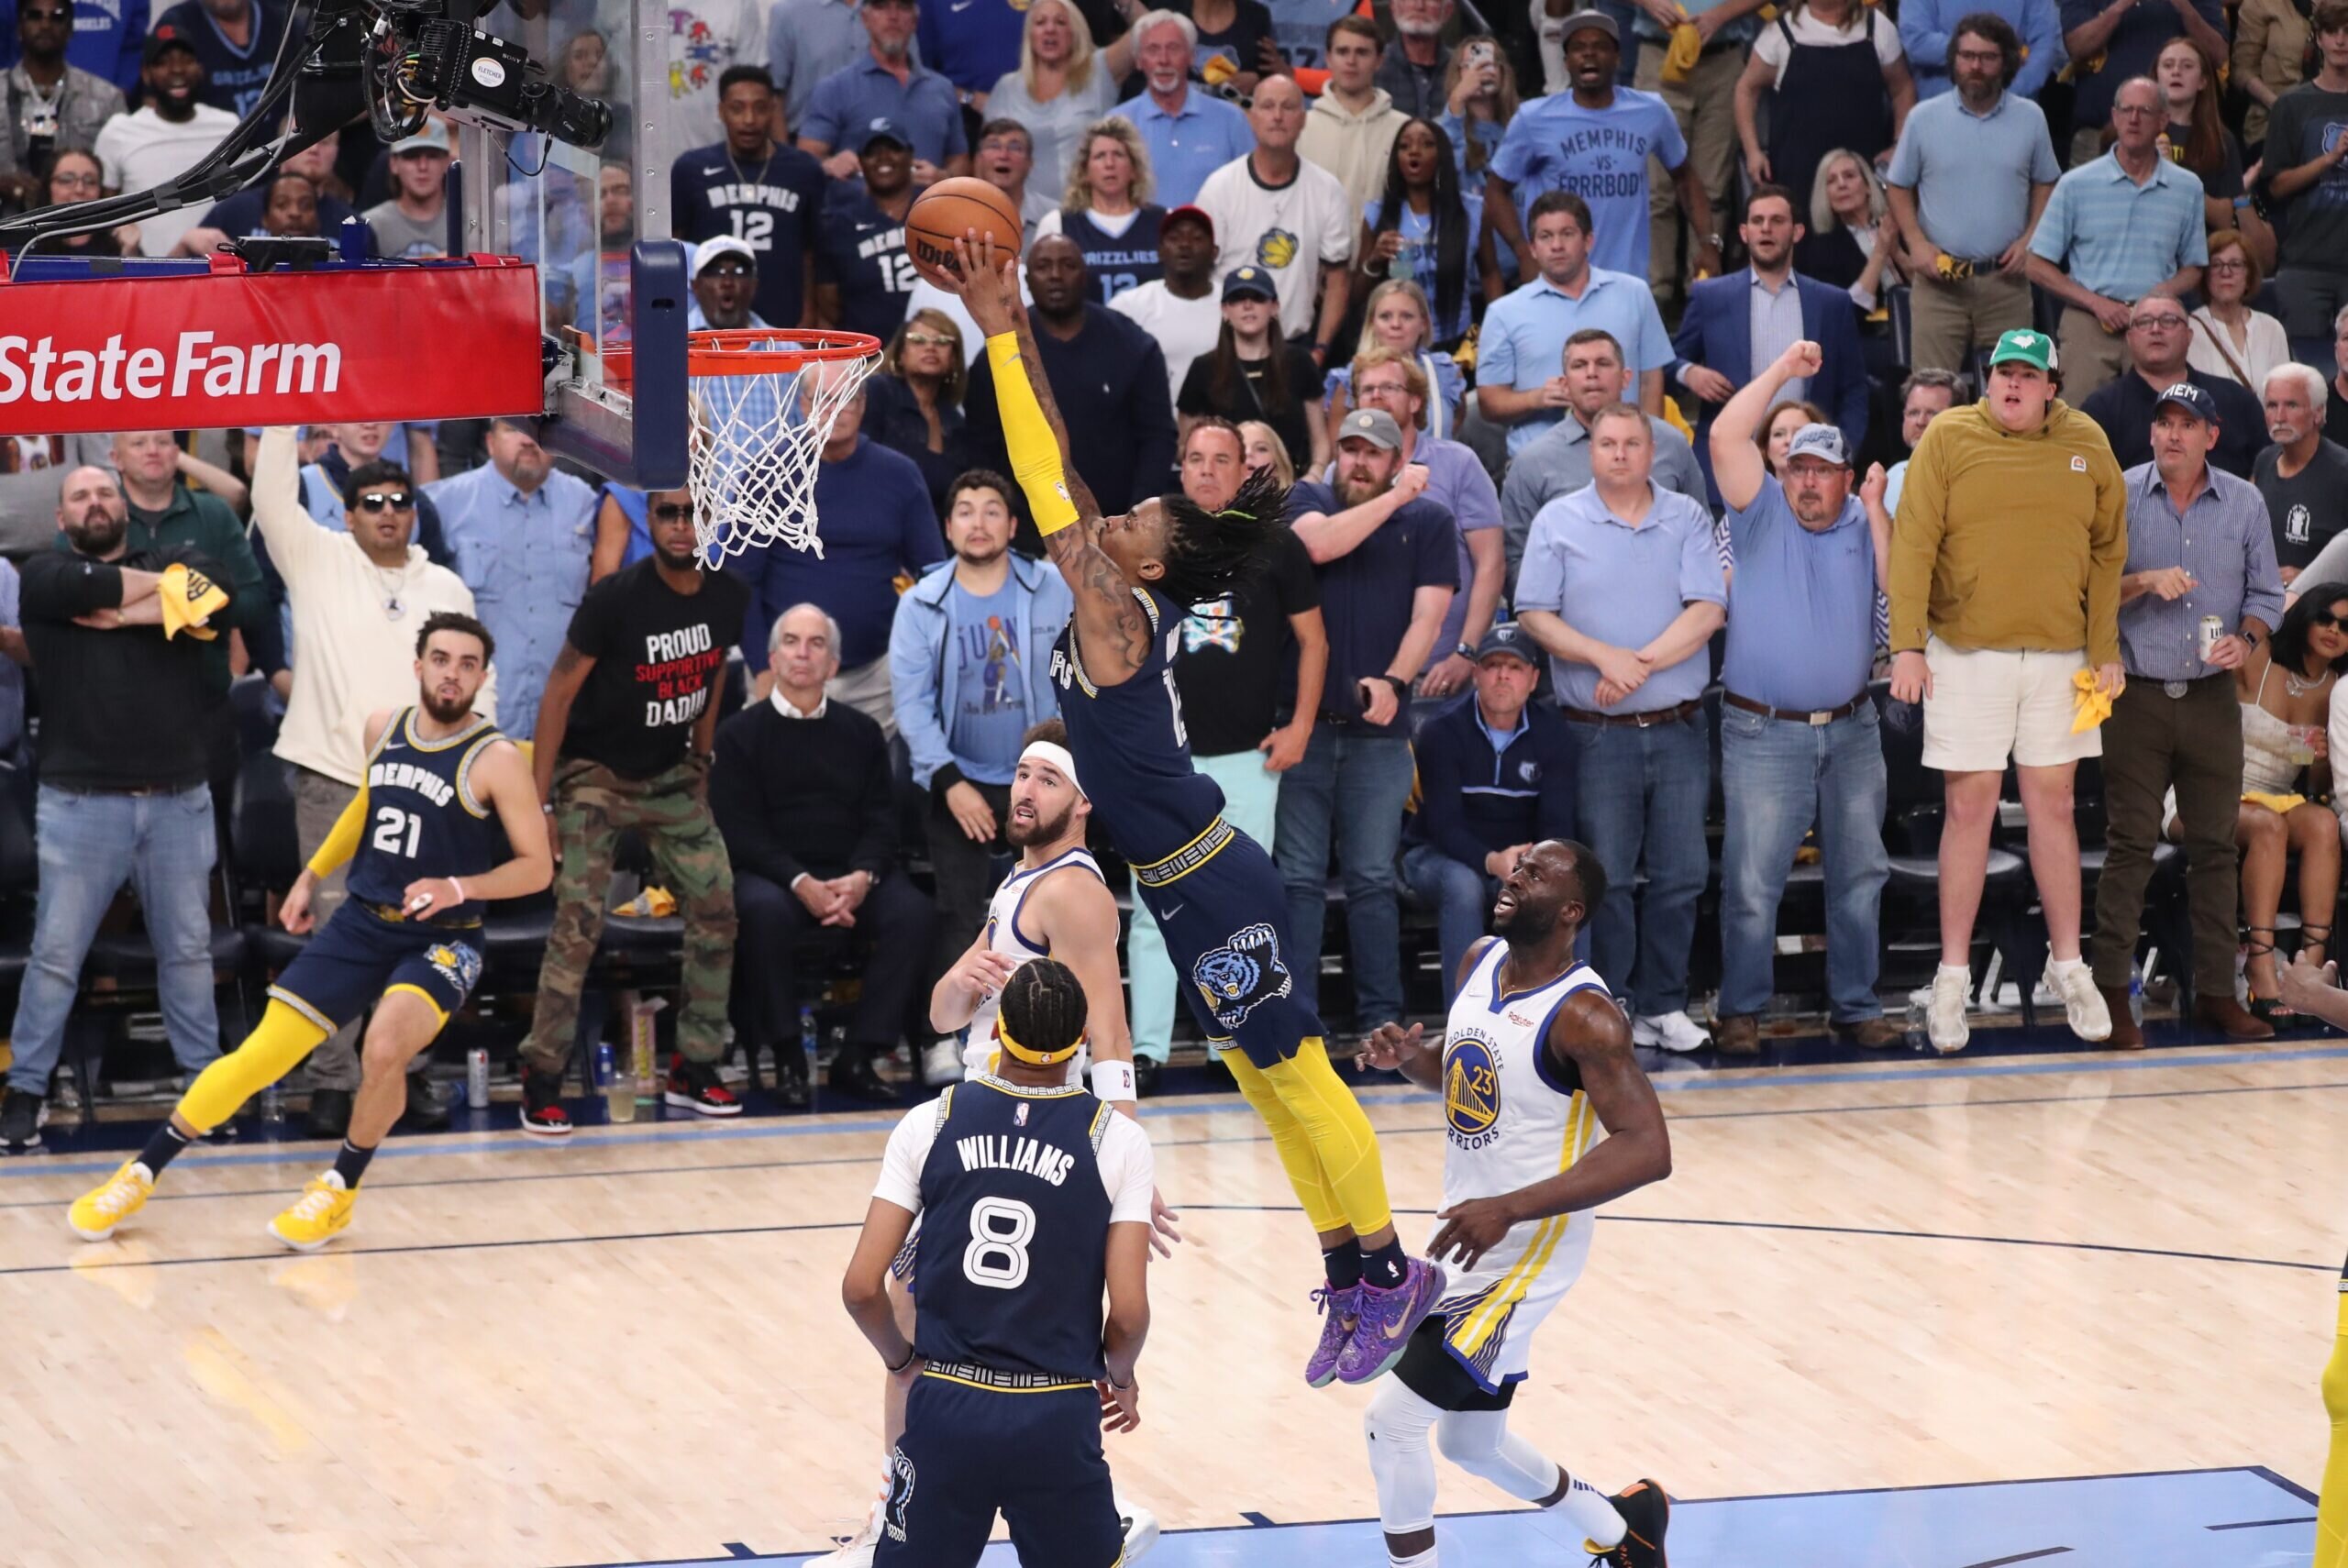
[1056, 755]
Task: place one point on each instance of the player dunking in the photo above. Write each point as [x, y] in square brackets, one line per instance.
[1034, 1200]
[419, 839]
[1536, 1056]
[1054, 904]
[1217, 899]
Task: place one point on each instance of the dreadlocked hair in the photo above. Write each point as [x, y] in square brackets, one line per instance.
[1043, 1006]
[1210, 553]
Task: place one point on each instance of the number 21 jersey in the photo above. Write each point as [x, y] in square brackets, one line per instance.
[422, 817]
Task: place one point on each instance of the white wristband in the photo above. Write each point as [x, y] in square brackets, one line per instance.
[460, 888]
[1113, 1081]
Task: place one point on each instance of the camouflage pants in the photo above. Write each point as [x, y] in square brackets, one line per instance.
[592, 806]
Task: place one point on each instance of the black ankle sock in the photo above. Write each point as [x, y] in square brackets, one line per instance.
[351, 1164]
[1343, 1263]
[1385, 1266]
[163, 1148]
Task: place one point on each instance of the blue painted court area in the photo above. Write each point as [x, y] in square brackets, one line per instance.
[2193, 1519]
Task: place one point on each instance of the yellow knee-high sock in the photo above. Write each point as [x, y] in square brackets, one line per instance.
[2331, 1513]
[268, 1053]
[1322, 1208]
[1311, 1090]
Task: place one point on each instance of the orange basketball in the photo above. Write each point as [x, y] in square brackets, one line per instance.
[942, 213]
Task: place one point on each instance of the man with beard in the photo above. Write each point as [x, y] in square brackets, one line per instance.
[625, 734]
[1738, 325]
[123, 796]
[970, 671]
[46, 106]
[420, 845]
[1053, 905]
[1523, 1077]
[1107, 373]
[165, 137]
[1387, 560]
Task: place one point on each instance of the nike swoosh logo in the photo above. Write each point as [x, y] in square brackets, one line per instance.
[712, 172]
[1172, 910]
[395, 746]
[962, 7]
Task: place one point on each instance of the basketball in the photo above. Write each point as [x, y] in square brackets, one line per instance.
[941, 214]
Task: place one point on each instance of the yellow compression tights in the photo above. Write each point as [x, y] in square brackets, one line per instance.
[1325, 1140]
[2332, 1514]
[268, 1053]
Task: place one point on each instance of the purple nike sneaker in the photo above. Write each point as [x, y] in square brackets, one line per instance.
[1340, 1309]
[1388, 1319]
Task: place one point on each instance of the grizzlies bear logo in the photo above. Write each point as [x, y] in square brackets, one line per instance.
[1242, 975]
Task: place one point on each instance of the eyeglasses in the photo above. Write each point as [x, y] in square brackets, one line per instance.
[670, 512]
[2135, 111]
[928, 340]
[1982, 56]
[2236, 265]
[74, 178]
[2326, 619]
[2157, 323]
[386, 501]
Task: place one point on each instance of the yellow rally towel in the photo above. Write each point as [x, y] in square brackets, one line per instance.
[2281, 805]
[2090, 707]
[1678, 420]
[189, 598]
[1218, 71]
[656, 903]
[1686, 48]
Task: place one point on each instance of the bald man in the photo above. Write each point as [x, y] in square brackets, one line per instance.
[1278, 211]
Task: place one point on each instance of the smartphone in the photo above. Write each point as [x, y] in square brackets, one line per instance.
[1479, 54]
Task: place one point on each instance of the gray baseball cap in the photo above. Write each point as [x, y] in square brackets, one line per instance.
[1820, 441]
[1374, 426]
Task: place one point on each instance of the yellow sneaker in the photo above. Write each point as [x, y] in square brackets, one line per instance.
[96, 1213]
[322, 1214]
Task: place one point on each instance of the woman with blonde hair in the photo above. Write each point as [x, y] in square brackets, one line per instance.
[1107, 210]
[1265, 449]
[1395, 317]
[1479, 88]
[1062, 86]
[1853, 243]
[912, 403]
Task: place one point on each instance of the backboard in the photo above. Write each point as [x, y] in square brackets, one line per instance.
[597, 223]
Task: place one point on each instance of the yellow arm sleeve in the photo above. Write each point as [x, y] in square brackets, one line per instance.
[343, 842]
[1035, 451]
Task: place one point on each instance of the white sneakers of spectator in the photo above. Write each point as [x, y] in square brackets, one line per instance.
[2083, 1004]
[1669, 1031]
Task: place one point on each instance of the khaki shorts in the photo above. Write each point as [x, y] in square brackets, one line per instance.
[1990, 704]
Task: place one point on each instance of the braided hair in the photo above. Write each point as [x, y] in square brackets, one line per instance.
[1210, 553]
[1043, 1005]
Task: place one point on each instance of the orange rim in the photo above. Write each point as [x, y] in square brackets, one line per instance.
[744, 352]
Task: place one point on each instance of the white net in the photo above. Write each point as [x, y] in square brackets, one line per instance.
[757, 440]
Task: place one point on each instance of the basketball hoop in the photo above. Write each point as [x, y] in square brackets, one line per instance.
[763, 402]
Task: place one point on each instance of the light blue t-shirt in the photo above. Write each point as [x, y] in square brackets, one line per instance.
[1416, 259]
[991, 707]
[1622, 585]
[1600, 155]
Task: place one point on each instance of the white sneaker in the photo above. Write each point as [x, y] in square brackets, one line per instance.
[1944, 1023]
[941, 1063]
[2090, 1020]
[857, 1549]
[1669, 1031]
[1141, 1531]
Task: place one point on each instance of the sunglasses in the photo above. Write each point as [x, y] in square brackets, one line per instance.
[2326, 619]
[386, 501]
[928, 340]
[670, 512]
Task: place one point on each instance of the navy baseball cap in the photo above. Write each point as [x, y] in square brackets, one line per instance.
[162, 41]
[1509, 638]
[884, 129]
[1249, 281]
[2191, 398]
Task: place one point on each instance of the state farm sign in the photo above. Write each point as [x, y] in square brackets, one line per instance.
[228, 349]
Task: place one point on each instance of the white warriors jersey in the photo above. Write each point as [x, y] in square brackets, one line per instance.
[1008, 937]
[1512, 1115]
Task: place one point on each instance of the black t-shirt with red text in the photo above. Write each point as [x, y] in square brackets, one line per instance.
[659, 661]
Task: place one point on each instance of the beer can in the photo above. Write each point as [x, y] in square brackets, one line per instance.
[2211, 630]
[477, 1078]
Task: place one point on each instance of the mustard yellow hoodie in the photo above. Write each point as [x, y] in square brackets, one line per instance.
[2009, 540]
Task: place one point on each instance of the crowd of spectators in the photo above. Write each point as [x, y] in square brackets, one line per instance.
[1652, 377]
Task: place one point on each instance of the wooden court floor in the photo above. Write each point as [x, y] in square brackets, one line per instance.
[630, 1349]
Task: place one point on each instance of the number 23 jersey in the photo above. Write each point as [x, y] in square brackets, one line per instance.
[1016, 1189]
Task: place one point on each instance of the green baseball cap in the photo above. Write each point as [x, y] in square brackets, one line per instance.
[2030, 348]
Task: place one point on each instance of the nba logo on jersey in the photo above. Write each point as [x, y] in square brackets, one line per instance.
[1019, 1116]
[1471, 1089]
[1242, 975]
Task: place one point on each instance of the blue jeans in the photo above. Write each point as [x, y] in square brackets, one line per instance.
[1462, 895]
[1351, 787]
[1641, 793]
[1779, 775]
[90, 845]
[1250, 802]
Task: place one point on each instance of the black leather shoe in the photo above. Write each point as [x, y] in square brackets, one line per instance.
[1145, 1074]
[425, 1113]
[852, 1073]
[791, 1086]
[330, 1113]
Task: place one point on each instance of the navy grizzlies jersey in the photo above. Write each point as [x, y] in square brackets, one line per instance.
[422, 818]
[1118, 261]
[1130, 746]
[770, 206]
[1012, 1257]
[860, 251]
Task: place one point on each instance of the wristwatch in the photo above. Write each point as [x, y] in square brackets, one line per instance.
[1465, 652]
